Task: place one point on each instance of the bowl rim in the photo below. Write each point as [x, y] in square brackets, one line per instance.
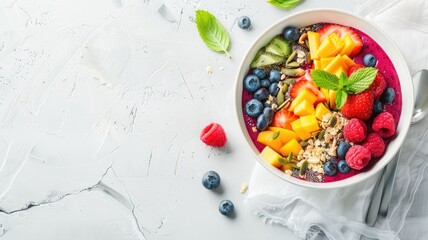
[403, 126]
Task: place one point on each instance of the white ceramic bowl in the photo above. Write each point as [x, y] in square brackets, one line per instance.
[333, 16]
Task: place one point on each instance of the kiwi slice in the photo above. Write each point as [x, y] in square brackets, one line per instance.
[279, 46]
[265, 59]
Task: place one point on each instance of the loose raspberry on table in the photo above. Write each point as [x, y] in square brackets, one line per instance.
[358, 157]
[384, 125]
[355, 130]
[213, 135]
[374, 143]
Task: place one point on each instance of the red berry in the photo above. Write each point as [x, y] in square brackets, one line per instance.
[354, 68]
[355, 130]
[378, 85]
[283, 119]
[359, 105]
[358, 157]
[213, 135]
[384, 125]
[374, 143]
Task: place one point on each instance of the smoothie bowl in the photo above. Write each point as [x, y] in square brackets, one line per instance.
[323, 99]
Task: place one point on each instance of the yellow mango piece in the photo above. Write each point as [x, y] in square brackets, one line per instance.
[327, 48]
[285, 135]
[305, 94]
[335, 64]
[338, 43]
[320, 111]
[304, 108]
[332, 99]
[314, 43]
[292, 146]
[348, 61]
[310, 123]
[317, 64]
[349, 45]
[299, 130]
[286, 167]
[270, 156]
[325, 92]
[339, 71]
[268, 138]
[325, 61]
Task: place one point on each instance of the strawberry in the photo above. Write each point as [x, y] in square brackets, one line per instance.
[302, 84]
[378, 85]
[283, 119]
[359, 105]
[340, 32]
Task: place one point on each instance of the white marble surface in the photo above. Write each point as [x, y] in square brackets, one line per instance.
[101, 105]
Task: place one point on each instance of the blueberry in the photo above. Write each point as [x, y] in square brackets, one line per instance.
[274, 76]
[267, 104]
[330, 168]
[343, 167]
[333, 158]
[226, 207]
[291, 34]
[253, 108]
[342, 149]
[377, 107]
[369, 60]
[262, 122]
[262, 94]
[388, 95]
[273, 89]
[265, 83]
[244, 22]
[260, 73]
[268, 111]
[211, 180]
[251, 83]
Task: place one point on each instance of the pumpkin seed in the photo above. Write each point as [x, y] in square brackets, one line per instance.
[304, 167]
[289, 81]
[280, 98]
[291, 57]
[284, 88]
[304, 143]
[333, 121]
[293, 72]
[293, 64]
[321, 135]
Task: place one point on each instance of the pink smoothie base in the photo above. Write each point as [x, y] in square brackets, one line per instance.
[386, 68]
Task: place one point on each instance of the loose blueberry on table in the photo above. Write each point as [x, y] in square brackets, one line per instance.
[320, 102]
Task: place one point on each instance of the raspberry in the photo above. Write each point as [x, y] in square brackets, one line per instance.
[357, 157]
[384, 125]
[213, 135]
[374, 143]
[355, 130]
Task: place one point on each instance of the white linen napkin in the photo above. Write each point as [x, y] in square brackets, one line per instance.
[340, 213]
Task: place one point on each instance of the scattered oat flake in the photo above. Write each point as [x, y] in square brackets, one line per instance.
[244, 187]
[209, 69]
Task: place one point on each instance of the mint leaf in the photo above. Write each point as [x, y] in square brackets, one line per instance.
[325, 79]
[360, 80]
[341, 97]
[342, 79]
[212, 32]
[287, 4]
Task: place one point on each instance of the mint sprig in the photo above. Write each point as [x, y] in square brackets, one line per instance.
[287, 4]
[359, 81]
[212, 32]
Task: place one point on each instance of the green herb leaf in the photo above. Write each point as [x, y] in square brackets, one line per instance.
[325, 79]
[290, 157]
[341, 97]
[275, 135]
[282, 161]
[287, 4]
[342, 79]
[360, 80]
[212, 32]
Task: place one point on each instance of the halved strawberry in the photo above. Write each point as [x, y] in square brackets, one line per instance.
[340, 32]
[283, 119]
[302, 84]
[354, 68]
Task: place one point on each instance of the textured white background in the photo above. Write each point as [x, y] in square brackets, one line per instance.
[101, 105]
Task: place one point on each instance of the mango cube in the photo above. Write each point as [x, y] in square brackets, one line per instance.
[305, 94]
[325, 92]
[299, 130]
[270, 156]
[325, 61]
[268, 138]
[332, 98]
[292, 146]
[310, 123]
[314, 43]
[317, 64]
[320, 111]
[304, 108]
[348, 61]
[341, 70]
[348, 45]
[327, 48]
[338, 43]
[335, 65]
[285, 135]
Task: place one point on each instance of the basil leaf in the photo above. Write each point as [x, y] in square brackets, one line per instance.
[325, 79]
[287, 4]
[212, 32]
[360, 80]
[341, 97]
